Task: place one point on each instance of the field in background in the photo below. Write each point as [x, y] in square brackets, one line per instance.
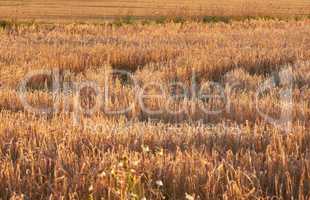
[98, 10]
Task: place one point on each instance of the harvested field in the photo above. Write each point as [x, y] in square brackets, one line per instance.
[77, 10]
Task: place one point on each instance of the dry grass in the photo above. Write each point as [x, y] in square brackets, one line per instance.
[232, 155]
[77, 10]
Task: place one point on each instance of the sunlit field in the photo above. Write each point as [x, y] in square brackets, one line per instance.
[158, 109]
[94, 10]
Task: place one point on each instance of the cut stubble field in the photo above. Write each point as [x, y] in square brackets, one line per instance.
[166, 110]
[96, 11]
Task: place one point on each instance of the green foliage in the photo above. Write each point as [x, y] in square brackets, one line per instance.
[161, 20]
[179, 19]
[8, 24]
[146, 22]
[4, 24]
[125, 20]
[216, 19]
[128, 19]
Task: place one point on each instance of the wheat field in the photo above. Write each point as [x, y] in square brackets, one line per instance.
[94, 10]
[156, 110]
